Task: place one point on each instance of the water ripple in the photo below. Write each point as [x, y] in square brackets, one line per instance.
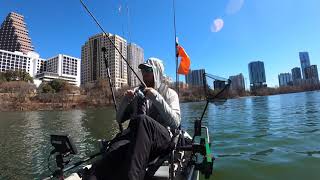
[311, 153]
[264, 152]
[252, 137]
[309, 131]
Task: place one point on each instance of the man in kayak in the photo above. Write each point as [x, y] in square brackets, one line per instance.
[151, 116]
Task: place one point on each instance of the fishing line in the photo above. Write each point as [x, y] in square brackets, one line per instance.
[175, 45]
[128, 23]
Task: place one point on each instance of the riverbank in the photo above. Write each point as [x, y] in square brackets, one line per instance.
[42, 106]
[270, 92]
[35, 106]
[50, 102]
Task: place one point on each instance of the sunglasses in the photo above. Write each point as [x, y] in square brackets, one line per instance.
[146, 70]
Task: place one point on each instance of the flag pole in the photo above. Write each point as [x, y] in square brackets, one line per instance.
[175, 46]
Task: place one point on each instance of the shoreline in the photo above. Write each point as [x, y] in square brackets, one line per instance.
[34, 106]
[9, 106]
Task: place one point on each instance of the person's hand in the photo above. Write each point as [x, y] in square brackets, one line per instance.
[129, 94]
[150, 92]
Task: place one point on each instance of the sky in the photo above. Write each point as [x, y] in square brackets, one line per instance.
[221, 36]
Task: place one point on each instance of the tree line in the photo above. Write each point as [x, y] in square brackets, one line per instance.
[17, 89]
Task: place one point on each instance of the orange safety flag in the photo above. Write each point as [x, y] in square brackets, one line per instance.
[184, 62]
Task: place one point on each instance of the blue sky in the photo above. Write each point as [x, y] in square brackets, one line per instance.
[273, 31]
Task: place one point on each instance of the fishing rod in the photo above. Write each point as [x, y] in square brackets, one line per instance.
[104, 50]
[201, 159]
[113, 44]
[175, 45]
[106, 63]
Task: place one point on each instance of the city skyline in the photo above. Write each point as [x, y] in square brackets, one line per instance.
[14, 25]
[307, 75]
[17, 53]
[249, 33]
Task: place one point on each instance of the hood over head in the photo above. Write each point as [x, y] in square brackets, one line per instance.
[158, 70]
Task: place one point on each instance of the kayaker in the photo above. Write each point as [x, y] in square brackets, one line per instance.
[147, 135]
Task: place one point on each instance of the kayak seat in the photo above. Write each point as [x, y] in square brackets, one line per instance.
[159, 167]
[154, 166]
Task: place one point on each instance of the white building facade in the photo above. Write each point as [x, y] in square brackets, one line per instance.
[17, 61]
[62, 67]
[59, 67]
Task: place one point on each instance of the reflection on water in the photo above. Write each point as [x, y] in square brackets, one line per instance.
[272, 137]
[24, 142]
[260, 114]
[266, 134]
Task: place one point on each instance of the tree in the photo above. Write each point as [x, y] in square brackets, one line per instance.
[46, 88]
[57, 84]
[18, 75]
[24, 76]
[2, 77]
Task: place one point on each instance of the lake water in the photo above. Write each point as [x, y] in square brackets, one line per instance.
[271, 137]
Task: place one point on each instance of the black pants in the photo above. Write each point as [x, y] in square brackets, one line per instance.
[130, 152]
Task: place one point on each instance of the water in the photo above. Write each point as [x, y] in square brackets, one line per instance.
[271, 137]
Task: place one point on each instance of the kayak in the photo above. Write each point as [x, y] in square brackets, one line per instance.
[182, 168]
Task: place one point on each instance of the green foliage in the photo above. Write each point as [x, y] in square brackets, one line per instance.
[15, 76]
[2, 77]
[55, 86]
[46, 88]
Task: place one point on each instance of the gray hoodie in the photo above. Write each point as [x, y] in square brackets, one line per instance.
[162, 103]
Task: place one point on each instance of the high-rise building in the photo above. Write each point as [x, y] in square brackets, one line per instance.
[195, 77]
[296, 76]
[135, 57]
[285, 79]
[311, 73]
[296, 73]
[14, 34]
[257, 74]
[30, 62]
[237, 82]
[217, 84]
[93, 64]
[305, 62]
[61, 67]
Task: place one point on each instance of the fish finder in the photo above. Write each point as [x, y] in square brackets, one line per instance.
[63, 144]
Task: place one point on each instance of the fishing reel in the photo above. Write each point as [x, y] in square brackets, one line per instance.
[141, 100]
[139, 92]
